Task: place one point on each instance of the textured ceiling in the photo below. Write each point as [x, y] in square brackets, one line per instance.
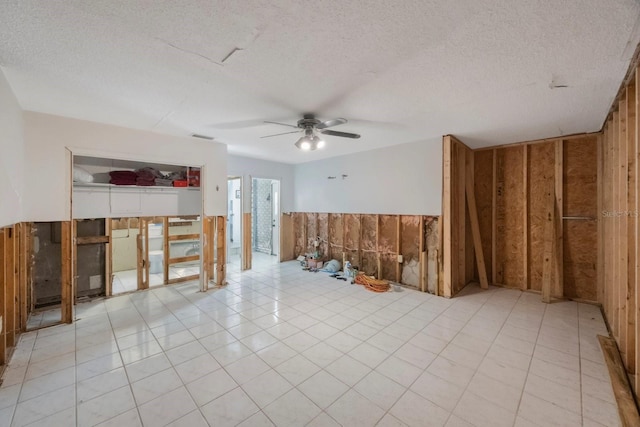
[399, 71]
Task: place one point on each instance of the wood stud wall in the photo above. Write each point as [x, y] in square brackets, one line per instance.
[372, 243]
[618, 227]
[536, 206]
[14, 280]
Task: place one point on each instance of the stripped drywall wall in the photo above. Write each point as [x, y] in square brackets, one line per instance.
[403, 179]
[50, 140]
[12, 158]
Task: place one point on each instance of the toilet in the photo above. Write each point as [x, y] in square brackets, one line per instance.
[155, 262]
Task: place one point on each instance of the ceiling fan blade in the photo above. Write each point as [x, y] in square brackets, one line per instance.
[278, 134]
[330, 123]
[282, 124]
[342, 134]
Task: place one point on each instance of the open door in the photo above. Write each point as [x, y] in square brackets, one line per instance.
[275, 218]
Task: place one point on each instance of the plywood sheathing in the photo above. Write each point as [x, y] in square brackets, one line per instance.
[287, 245]
[580, 210]
[510, 211]
[312, 232]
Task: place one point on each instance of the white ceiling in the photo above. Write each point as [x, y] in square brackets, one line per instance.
[399, 71]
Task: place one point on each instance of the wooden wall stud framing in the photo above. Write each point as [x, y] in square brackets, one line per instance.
[3, 297]
[461, 216]
[221, 249]
[10, 283]
[398, 250]
[636, 210]
[615, 232]
[631, 222]
[246, 242]
[67, 292]
[549, 246]
[447, 276]
[165, 250]
[600, 225]
[25, 273]
[475, 227]
[559, 236]
[622, 224]
[108, 261]
[525, 219]
[494, 223]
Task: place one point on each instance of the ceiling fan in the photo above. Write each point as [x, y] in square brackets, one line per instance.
[311, 127]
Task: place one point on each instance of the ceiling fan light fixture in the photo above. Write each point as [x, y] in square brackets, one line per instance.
[305, 144]
[318, 142]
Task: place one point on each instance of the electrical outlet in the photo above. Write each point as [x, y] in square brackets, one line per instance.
[400, 259]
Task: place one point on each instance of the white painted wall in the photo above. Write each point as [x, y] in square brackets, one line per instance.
[403, 179]
[11, 157]
[248, 168]
[51, 140]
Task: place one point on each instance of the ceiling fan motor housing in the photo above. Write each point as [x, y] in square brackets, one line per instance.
[308, 121]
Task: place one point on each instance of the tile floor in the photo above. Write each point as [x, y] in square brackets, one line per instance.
[127, 280]
[280, 346]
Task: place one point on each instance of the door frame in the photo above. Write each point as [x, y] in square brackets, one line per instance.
[279, 212]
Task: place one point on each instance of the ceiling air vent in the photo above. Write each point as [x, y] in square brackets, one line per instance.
[197, 135]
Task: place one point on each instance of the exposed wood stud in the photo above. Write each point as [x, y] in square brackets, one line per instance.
[165, 250]
[67, 272]
[600, 225]
[246, 241]
[549, 246]
[147, 266]
[475, 227]
[558, 257]
[622, 224]
[627, 408]
[636, 209]
[447, 277]
[615, 232]
[108, 260]
[25, 272]
[3, 297]
[221, 249]
[525, 217]
[631, 222]
[494, 223]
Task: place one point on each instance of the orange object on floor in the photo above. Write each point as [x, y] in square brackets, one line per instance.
[371, 283]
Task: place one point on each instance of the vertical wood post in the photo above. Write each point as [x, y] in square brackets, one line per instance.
[221, 243]
[67, 272]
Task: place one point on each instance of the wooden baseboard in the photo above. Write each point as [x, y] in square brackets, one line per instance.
[627, 407]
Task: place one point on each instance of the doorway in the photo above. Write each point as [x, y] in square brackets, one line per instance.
[234, 222]
[265, 214]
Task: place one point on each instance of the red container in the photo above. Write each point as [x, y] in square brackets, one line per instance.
[180, 183]
[193, 176]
